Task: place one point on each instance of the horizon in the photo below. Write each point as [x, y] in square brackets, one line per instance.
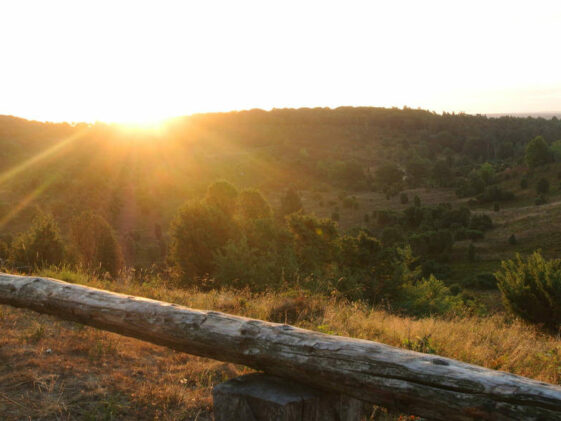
[156, 123]
[139, 63]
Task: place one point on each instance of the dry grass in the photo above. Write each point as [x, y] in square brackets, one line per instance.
[53, 369]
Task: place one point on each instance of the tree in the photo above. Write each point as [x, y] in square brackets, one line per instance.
[441, 173]
[197, 232]
[96, 244]
[487, 173]
[252, 205]
[290, 203]
[388, 174]
[531, 288]
[222, 195]
[40, 246]
[537, 152]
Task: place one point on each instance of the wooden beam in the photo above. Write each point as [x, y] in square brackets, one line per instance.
[426, 385]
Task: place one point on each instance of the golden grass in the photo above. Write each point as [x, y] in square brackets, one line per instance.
[53, 369]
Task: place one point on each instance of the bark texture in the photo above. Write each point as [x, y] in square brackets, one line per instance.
[425, 385]
[260, 397]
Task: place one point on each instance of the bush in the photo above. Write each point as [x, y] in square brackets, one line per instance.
[480, 222]
[94, 240]
[197, 232]
[496, 207]
[252, 205]
[531, 289]
[39, 247]
[512, 240]
[428, 297]
[403, 198]
[540, 200]
[523, 183]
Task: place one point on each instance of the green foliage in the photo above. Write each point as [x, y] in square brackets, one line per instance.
[314, 241]
[542, 187]
[512, 240]
[388, 174]
[40, 246]
[290, 203]
[495, 194]
[540, 200]
[487, 173]
[428, 297]
[524, 183]
[481, 281]
[222, 195]
[556, 150]
[531, 288]
[240, 266]
[441, 173]
[537, 152]
[417, 201]
[481, 222]
[197, 233]
[403, 198]
[95, 243]
[392, 236]
[252, 205]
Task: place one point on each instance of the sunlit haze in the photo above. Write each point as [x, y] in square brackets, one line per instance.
[135, 61]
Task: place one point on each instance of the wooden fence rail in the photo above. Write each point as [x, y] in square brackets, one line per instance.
[426, 385]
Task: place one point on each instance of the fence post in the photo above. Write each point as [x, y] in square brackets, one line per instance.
[260, 397]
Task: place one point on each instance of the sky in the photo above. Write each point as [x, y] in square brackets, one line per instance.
[142, 61]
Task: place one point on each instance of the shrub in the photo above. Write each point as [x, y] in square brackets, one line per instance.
[480, 222]
[496, 207]
[531, 288]
[403, 198]
[240, 266]
[94, 240]
[417, 201]
[428, 297]
[523, 183]
[512, 240]
[223, 196]
[335, 216]
[197, 232]
[540, 200]
[252, 205]
[40, 246]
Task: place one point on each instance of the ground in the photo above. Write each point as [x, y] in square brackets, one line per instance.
[58, 370]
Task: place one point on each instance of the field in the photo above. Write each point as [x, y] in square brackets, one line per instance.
[52, 369]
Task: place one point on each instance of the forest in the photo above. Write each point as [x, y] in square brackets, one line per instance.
[439, 223]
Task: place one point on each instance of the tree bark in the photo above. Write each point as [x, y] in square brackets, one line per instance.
[414, 383]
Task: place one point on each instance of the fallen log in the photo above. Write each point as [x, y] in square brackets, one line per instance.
[426, 385]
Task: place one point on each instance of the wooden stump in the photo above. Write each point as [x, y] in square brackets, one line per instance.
[260, 397]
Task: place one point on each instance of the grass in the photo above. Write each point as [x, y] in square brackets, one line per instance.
[51, 369]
